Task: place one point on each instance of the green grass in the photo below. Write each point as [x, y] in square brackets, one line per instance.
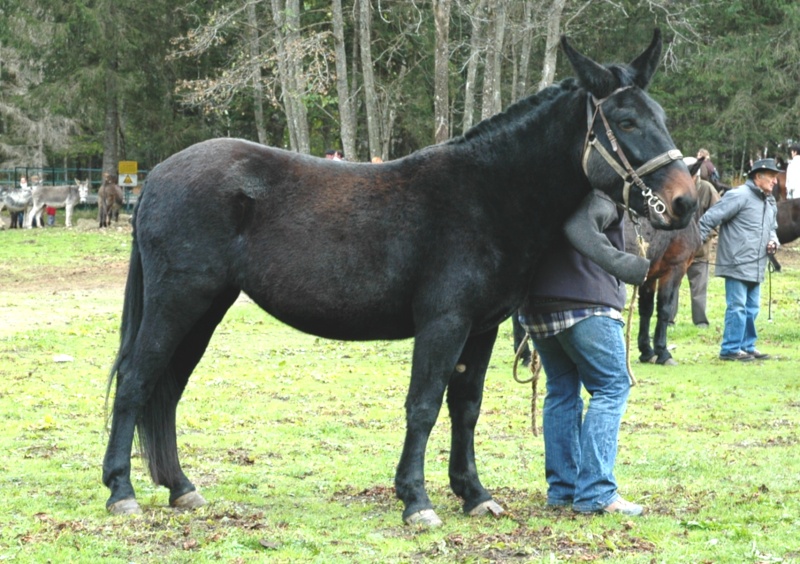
[294, 440]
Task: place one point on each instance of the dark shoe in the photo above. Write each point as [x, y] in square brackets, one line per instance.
[740, 355]
[624, 507]
[757, 355]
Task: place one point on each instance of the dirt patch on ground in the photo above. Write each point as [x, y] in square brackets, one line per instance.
[52, 295]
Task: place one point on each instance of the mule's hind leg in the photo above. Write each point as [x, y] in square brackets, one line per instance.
[464, 397]
[150, 382]
[157, 428]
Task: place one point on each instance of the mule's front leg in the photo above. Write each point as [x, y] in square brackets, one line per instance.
[464, 397]
[434, 360]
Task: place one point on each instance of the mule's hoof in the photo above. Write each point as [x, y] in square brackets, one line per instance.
[191, 500]
[125, 507]
[649, 360]
[489, 506]
[670, 362]
[426, 518]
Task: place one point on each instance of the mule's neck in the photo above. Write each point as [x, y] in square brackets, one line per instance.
[531, 154]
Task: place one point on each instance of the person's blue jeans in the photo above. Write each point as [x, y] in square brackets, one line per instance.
[742, 304]
[580, 450]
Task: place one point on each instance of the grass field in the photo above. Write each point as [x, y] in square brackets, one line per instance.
[294, 440]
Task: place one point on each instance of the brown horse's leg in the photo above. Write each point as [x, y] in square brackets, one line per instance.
[646, 303]
[668, 287]
[464, 396]
[436, 349]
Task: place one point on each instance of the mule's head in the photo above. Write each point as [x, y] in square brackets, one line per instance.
[83, 190]
[628, 152]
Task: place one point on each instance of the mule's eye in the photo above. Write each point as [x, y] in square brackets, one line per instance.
[627, 125]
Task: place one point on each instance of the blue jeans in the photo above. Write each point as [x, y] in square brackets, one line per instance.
[580, 450]
[742, 304]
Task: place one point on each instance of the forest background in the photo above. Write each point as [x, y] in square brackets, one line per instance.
[86, 83]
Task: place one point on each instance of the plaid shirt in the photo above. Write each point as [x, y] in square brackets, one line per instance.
[543, 325]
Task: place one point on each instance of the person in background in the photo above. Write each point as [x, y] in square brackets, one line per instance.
[334, 155]
[17, 218]
[51, 216]
[708, 171]
[793, 172]
[376, 160]
[573, 314]
[747, 220]
[697, 273]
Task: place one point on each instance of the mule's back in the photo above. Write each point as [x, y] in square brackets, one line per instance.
[355, 243]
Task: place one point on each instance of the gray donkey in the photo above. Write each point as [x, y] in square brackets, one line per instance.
[66, 196]
[15, 200]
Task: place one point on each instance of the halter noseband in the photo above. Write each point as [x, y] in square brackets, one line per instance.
[625, 171]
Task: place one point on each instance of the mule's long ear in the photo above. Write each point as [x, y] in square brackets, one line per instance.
[644, 66]
[594, 77]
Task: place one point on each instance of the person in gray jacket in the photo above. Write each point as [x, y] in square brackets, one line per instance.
[747, 220]
[573, 313]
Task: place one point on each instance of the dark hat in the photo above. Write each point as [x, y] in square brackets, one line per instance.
[764, 164]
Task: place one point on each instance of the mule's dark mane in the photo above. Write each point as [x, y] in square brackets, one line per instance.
[530, 106]
[523, 108]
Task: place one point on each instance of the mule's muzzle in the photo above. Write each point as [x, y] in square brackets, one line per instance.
[679, 196]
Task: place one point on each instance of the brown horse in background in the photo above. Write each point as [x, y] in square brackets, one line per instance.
[109, 201]
[788, 220]
[779, 192]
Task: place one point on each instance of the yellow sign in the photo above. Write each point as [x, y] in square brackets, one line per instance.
[128, 180]
[128, 167]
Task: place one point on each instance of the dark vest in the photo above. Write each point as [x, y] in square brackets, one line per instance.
[565, 279]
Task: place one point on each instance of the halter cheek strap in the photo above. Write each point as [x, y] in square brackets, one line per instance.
[624, 170]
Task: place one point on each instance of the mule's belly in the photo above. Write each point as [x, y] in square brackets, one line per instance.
[336, 313]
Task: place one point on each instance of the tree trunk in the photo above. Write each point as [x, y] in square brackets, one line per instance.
[370, 93]
[255, 59]
[476, 16]
[551, 47]
[286, 16]
[347, 114]
[520, 86]
[111, 128]
[492, 85]
[441, 100]
[110, 67]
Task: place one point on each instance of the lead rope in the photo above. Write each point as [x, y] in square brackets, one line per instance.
[535, 367]
[641, 244]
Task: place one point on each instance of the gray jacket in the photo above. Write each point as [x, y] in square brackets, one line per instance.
[748, 219]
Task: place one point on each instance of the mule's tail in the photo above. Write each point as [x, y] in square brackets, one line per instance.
[132, 308]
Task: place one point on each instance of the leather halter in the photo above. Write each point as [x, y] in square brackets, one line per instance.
[624, 170]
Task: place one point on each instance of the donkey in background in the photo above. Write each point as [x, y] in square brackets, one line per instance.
[109, 201]
[15, 200]
[67, 196]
